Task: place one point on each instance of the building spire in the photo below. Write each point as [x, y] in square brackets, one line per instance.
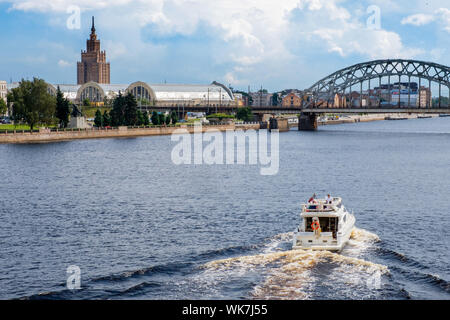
[93, 25]
[93, 35]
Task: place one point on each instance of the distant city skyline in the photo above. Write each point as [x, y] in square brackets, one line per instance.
[276, 45]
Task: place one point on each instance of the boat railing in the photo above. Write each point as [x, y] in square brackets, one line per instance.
[319, 207]
[311, 233]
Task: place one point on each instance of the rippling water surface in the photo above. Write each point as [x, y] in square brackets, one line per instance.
[140, 227]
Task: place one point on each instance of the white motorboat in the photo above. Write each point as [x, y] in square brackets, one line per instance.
[325, 225]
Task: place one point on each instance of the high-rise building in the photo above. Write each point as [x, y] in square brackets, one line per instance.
[93, 65]
[425, 100]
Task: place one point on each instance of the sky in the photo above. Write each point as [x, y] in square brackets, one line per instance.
[282, 44]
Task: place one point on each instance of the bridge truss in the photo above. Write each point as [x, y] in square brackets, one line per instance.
[343, 83]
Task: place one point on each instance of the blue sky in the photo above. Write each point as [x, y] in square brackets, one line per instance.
[275, 44]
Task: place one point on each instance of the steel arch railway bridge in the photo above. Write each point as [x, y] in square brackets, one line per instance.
[378, 87]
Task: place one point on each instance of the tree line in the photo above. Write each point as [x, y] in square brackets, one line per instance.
[32, 104]
[3, 107]
[125, 112]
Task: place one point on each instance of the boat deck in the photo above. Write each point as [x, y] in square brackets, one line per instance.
[320, 207]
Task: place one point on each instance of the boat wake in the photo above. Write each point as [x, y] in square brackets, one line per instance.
[295, 274]
[270, 270]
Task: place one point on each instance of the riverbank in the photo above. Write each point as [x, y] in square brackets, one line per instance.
[47, 135]
[373, 117]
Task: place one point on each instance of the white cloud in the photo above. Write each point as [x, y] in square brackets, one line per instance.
[246, 41]
[444, 15]
[115, 49]
[345, 35]
[441, 15]
[62, 5]
[63, 63]
[418, 19]
[375, 44]
[437, 54]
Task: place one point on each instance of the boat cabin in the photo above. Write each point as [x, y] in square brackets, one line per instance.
[325, 225]
[327, 214]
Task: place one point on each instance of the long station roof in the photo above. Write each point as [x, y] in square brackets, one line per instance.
[213, 91]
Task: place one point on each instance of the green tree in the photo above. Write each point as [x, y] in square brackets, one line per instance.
[219, 116]
[106, 101]
[250, 100]
[3, 106]
[106, 119]
[62, 109]
[275, 99]
[144, 102]
[145, 118]
[140, 118]
[174, 117]
[98, 121]
[118, 111]
[86, 102]
[32, 103]
[435, 102]
[161, 118]
[155, 118]
[168, 119]
[244, 114]
[131, 116]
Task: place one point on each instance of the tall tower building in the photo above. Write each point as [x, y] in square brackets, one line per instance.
[93, 65]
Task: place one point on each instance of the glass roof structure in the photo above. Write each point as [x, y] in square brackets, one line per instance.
[191, 94]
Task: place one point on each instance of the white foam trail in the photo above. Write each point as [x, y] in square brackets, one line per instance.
[292, 280]
[275, 241]
[363, 235]
[290, 272]
[360, 240]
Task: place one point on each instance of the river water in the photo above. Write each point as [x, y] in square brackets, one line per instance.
[140, 227]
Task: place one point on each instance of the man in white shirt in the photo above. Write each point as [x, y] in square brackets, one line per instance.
[329, 199]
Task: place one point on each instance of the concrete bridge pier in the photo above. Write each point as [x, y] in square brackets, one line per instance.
[307, 122]
[263, 117]
[278, 124]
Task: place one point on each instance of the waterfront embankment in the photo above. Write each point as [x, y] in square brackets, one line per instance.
[47, 135]
[371, 117]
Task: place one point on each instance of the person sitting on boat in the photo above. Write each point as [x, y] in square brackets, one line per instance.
[329, 199]
[312, 199]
